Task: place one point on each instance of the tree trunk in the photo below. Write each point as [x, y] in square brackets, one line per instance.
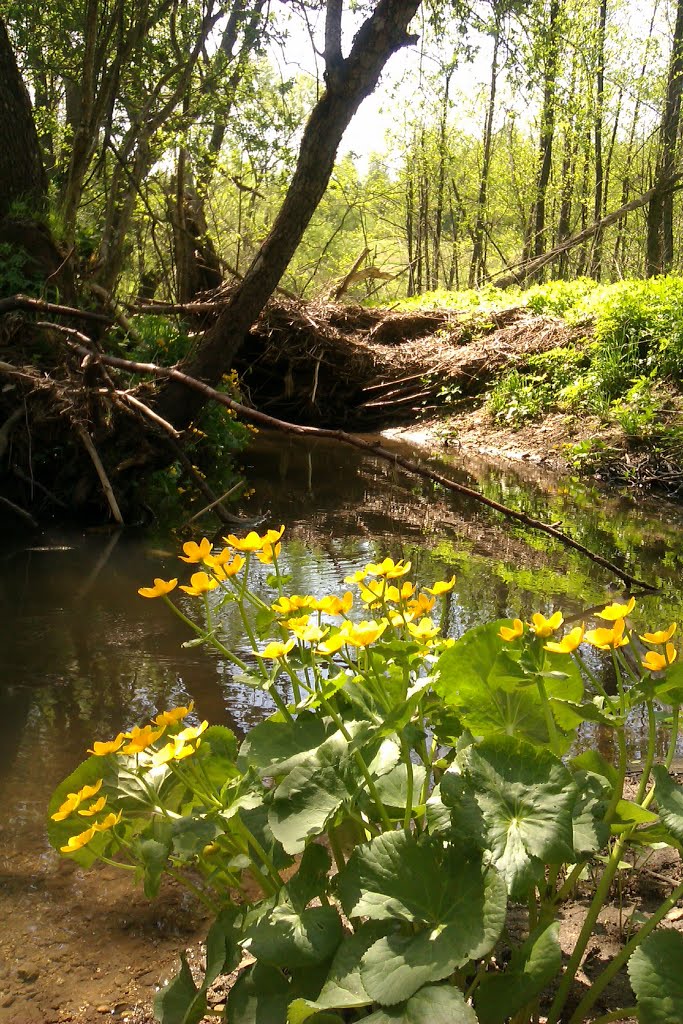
[349, 80]
[477, 263]
[596, 260]
[22, 176]
[660, 247]
[536, 242]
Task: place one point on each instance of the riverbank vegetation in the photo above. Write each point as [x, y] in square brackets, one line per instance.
[176, 189]
[399, 839]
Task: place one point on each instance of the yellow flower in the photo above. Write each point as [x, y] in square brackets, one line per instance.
[277, 649]
[272, 536]
[655, 662]
[606, 639]
[200, 583]
[421, 604]
[424, 630]
[356, 577]
[174, 715]
[543, 627]
[94, 808]
[333, 605]
[361, 634]
[196, 552]
[617, 611]
[661, 637]
[192, 732]
[568, 643]
[176, 750]
[269, 553]
[310, 634]
[107, 747]
[77, 842]
[372, 592]
[252, 541]
[441, 586]
[108, 822]
[141, 738]
[285, 605]
[225, 563]
[73, 800]
[388, 568]
[508, 634]
[160, 588]
[333, 643]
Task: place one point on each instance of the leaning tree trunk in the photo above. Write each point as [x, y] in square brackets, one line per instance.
[22, 176]
[349, 80]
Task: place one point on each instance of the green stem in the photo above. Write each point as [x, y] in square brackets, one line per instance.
[620, 959]
[251, 839]
[569, 882]
[674, 737]
[208, 639]
[335, 847]
[594, 680]
[195, 890]
[549, 719]
[597, 903]
[410, 778]
[621, 776]
[358, 758]
[118, 863]
[650, 755]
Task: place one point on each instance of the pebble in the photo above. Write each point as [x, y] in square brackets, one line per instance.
[28, 974]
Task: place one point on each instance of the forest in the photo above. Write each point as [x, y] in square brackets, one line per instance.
[175, 189]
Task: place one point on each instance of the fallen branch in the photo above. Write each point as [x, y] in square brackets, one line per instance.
[21, 512]
[101, 472]
[262, 419]
[41, 306]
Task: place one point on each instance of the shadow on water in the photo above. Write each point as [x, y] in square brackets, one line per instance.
[83, 656]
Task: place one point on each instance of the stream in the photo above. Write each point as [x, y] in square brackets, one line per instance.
[82, 656]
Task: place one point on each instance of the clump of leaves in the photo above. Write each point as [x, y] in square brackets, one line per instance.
[537, 386]
[407, 793]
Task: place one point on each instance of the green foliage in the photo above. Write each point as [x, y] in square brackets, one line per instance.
[537, 386]
[557, 297]
[431, 771]
[14, 275]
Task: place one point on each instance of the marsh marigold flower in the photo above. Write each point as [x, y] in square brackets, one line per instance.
[656, 662]
[252, 541]
[277, 649]
[79, 841]
[543, 627]
[95, 808]
[107, 746]
[569, 642]
[608, 639]
[333, 643]
[333, 605]
[196, 552]
[388, 568]
[362, 634]
[662, 636]
[423, 631]
[270, 553]
[160, 588]
[200, 583]
[356, 577]
[617, 611]
[141, 738]
[225, 563]
[508, 633]
[421, 604]
[108, 822]
[173, 715]
[441, 587]
[286, 605]
[73, 800]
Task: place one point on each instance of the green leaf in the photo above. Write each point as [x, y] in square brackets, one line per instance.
[276, 746]
[223, 954]
[312, 792]
[526, 797]
[285, 938]
[153, 855]
[435, 1004]
[590, 831]
[592, 761]
[311, 878]
[180, 1002]
[627, 814]
[191, 834]
[656, 977]
[260, 995]
[393, 787]
[670, 800]
[455, 910]
[343, 988]
[532, 967]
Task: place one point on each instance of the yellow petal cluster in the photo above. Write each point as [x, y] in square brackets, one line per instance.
[74, 800]
[253, 541]
[270, 553]
[101, 748]
[569, 642]
[173, 715]
[160, 588]
[509, 634]
[362, 634]
[277, 649]
[140, 738]
[656, 662]
[617, 611]
[608, 639]
[543, 627]
[441, 587]
[424, 631]
[200, 583]
[388, 568]
[662, 636]
[196, 552]
[287, 605]
[226, 563]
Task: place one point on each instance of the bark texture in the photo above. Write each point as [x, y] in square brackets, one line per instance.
[21, 167]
